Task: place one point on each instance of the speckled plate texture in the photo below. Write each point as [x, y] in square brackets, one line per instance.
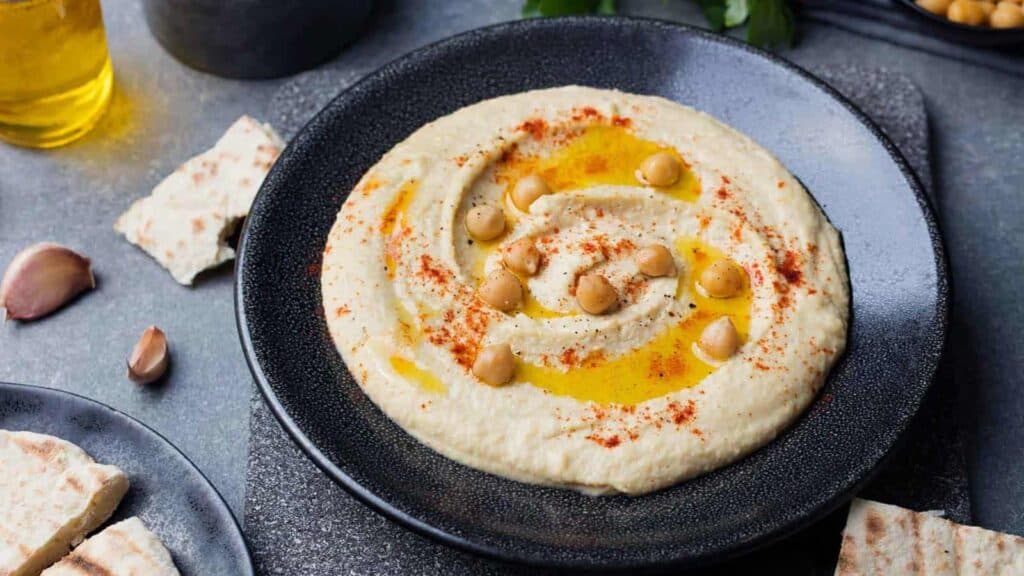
[896, 261]
[169, 494]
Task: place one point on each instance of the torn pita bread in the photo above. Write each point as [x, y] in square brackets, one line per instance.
[51, 495]
[880, 539]
[986, 552]
[127, 548]
[185, 222]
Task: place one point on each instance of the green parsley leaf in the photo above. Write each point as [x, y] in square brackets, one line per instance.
[605, 7]
[532, 8]
[770, 24]
[736, 12]
[714, 13]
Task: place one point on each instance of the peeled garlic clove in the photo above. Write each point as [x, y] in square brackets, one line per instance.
[41, 279]
[148, 361]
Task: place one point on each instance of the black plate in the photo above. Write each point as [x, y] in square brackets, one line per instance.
[896, 263]
[964, 34]
[167, 491]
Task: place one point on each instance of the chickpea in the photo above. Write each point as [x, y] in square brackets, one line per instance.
[660, 169]
[719, 339]
[966, 12]
[522, 257]
[528, 189]
[722, 279]
[656, 260]
[495, 364]
[595, 294]
[502, 290]
[939, 7]
[1007, 15]
[485, 222]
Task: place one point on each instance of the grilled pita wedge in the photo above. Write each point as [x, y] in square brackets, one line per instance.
[880, 539]
[51, 495]
[127, 548]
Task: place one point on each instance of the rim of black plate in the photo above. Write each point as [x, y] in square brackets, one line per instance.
[218, 501]
[799, 516]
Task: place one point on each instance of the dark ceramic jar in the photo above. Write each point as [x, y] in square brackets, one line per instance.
[255, 38]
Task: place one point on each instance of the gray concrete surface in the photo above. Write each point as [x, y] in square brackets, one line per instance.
[163, 113]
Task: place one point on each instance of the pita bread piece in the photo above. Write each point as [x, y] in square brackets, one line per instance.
[51, 495]
[983, 552]
[185, 222]
[127, 548]
[880, 539]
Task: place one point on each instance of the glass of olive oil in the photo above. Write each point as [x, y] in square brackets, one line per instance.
[55, 73]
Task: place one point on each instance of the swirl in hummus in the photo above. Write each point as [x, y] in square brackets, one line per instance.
[585, 288]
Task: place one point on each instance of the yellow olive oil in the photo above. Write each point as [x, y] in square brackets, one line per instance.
[410, 371]
[602, 154]
[55, 72]
[663, 365]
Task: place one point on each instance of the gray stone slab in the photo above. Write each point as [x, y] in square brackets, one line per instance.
[164, 112]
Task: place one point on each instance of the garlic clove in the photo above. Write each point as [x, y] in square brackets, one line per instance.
[42, 278]
[148, 360]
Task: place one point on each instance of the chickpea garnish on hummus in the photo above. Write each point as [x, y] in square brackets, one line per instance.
[596, 294]
[661, 169]
[527, 190]
[719, 339]
[485, 223]
[495, 364]
[722, 279]
[522, 257]
[585, 288]
[655, 261]
[502, 290]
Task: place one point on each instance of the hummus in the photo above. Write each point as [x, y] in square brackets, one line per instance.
[624, 400]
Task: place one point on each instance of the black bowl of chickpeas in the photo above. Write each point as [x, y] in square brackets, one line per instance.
[975, 22]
